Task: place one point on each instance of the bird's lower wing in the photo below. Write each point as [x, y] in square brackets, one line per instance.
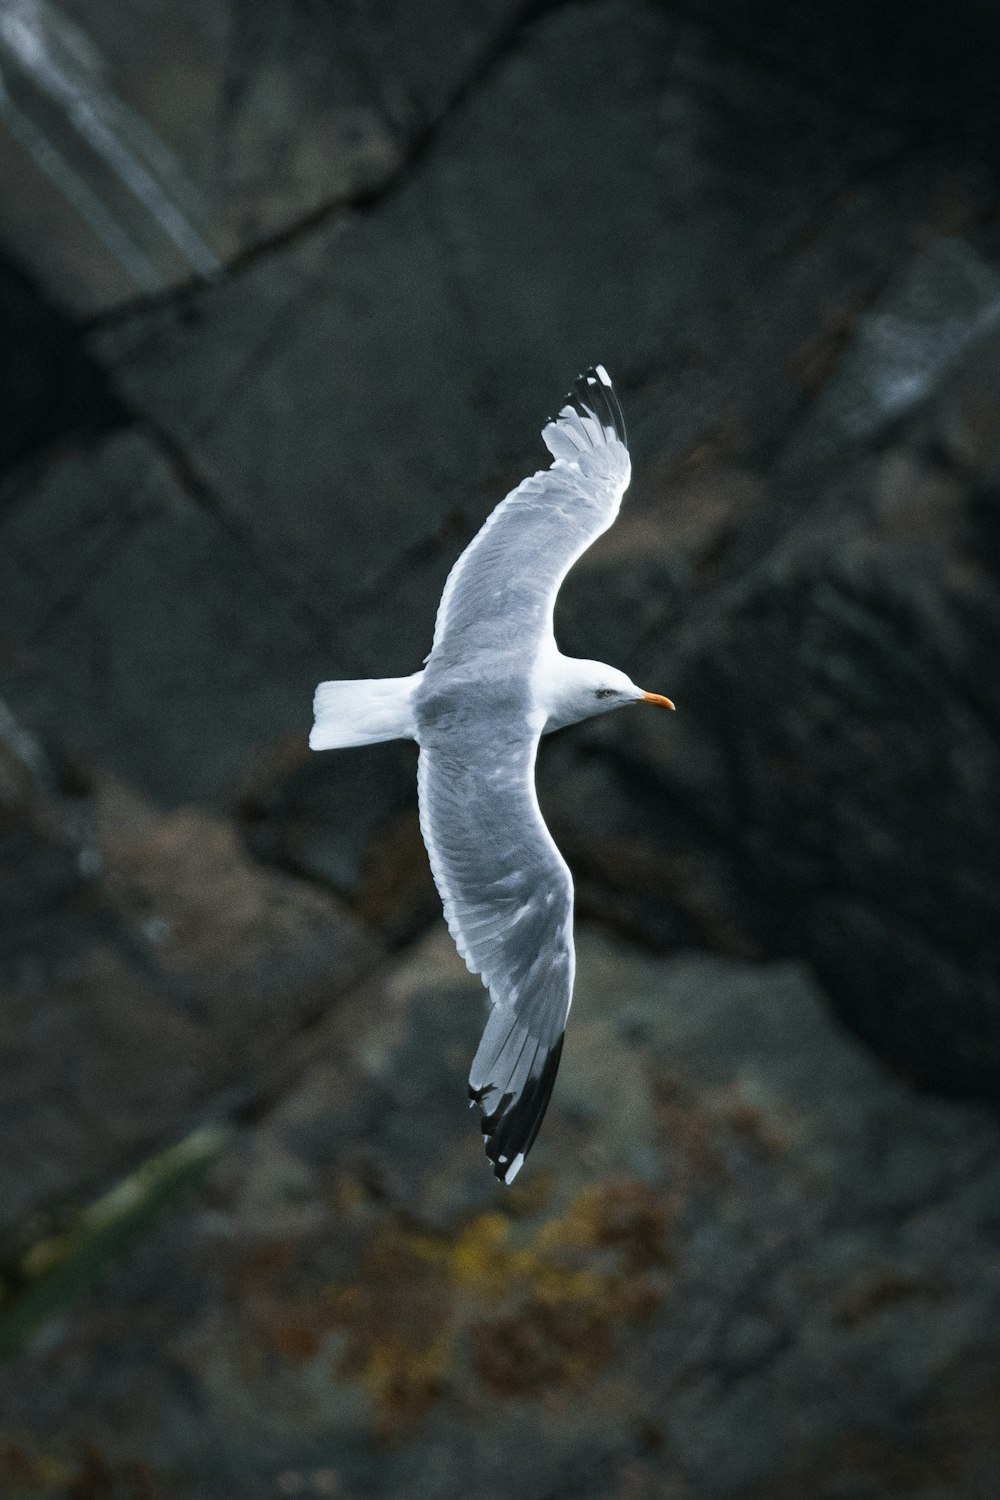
[508, 901]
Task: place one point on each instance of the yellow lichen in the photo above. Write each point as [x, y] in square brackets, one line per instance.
[540, 1306]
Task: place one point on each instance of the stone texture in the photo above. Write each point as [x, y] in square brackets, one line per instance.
[48, 386]
[449, 314]
[742, 1259]
[152, 142]
[349, 822]
[159, 647]
[41, 861]
[827, 787]
[922, 67]
[944, 301]
[148, 972]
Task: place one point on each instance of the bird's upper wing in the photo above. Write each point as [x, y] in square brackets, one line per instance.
[508, 901]
[512, 569]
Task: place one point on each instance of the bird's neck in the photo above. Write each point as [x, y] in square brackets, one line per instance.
[564, 688]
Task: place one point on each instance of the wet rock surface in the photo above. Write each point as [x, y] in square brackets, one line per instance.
[754, 1252]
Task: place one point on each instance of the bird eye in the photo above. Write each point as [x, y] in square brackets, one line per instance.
[604, 693]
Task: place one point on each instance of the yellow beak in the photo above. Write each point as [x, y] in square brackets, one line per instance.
[658, 699]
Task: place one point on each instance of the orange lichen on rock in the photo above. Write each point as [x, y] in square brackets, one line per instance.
[564, 1327]
[556, 1294]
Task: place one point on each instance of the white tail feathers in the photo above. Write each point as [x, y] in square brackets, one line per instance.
[363, 712]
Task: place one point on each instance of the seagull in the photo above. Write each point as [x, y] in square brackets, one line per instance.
[494, 683]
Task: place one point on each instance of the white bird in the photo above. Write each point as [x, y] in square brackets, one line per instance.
[493, 684]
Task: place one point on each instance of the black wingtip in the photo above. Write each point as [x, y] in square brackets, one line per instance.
[511, 1126]
[593, 394]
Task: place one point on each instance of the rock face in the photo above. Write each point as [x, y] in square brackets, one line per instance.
[832, 787]
[744, 1262]
[151, 974]
[144, 146]
[372, 313]
[296, 287]
[148, 622]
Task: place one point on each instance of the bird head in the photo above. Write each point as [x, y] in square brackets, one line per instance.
[613, 689]
[588, 688]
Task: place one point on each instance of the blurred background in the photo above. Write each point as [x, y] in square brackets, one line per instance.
[287, 290]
